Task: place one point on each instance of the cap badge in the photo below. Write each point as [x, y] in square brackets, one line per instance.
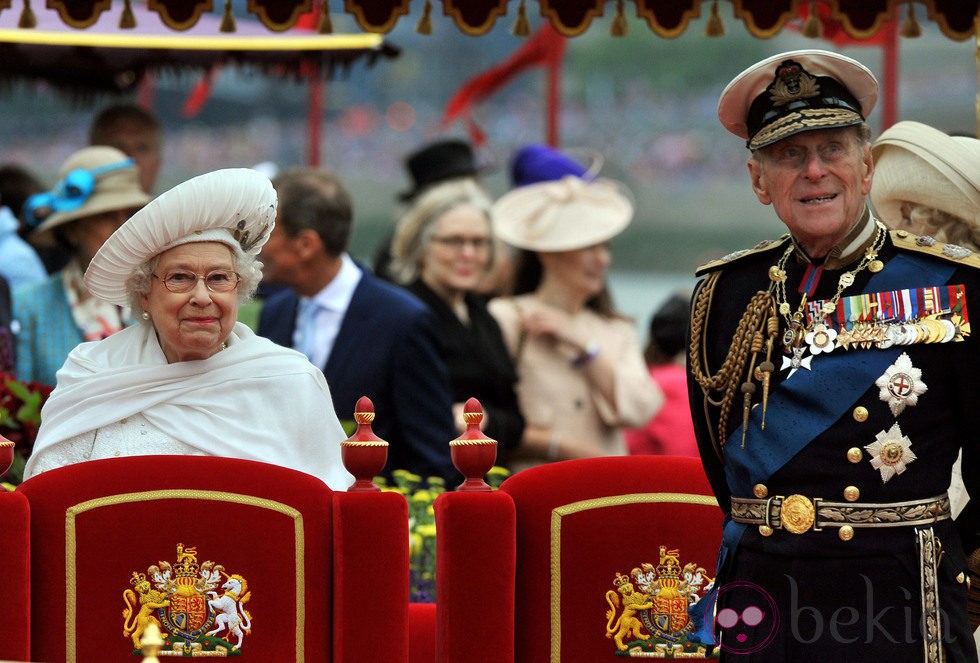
[792, 82]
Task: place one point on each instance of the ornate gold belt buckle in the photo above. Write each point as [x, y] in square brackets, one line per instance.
[797, 514]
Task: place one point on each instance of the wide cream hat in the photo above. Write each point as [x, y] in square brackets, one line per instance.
[563, 215]
[93, 180]
[235, 206]
[919, 164]
[796, 91]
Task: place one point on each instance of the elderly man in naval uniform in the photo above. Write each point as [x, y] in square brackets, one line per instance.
[833, 380]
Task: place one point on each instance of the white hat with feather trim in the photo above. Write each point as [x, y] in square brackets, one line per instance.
[235, 206]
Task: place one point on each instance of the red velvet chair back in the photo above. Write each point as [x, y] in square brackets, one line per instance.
[15, 572]
[588, 528]
[95, 527]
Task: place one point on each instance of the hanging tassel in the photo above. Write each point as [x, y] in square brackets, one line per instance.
[811, 27]
[27, 17]
[620, 27]
[715, 27]
[910, 26]
[425, 23]
[128, 20]
[227, 19]
[325, 25]
[522, 27]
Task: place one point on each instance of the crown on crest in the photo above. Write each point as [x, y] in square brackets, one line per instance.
[620, 579]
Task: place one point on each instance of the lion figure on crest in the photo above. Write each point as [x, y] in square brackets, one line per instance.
[627, 624]
[229, 608]
[138, 613]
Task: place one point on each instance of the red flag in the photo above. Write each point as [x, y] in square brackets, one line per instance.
[545, 48]
[199, 95]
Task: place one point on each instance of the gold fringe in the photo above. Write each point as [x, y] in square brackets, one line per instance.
[425, 23]
[325, 24]
[715, 27]
[128, 20]
[910, 26]
[522, 27]
[227, 19]
[620, 26]
[27, 17]
[811, 27]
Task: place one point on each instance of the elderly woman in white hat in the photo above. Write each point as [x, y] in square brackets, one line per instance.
[928, 182]
[97, 191]
[581, 376]
[189, 379]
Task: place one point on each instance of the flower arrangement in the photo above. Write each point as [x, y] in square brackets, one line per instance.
[20, 418]
[421, 495]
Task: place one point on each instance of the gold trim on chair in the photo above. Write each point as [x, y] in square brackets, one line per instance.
[125, 498]
[598, 503]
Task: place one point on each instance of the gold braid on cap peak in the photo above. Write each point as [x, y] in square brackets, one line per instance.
[726, 381]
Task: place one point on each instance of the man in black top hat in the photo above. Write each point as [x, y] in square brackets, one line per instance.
[831, 377]
[436, 162]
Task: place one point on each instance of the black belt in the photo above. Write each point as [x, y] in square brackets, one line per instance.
[799, 514]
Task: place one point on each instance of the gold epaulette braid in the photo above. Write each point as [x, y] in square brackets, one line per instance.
[728, 378]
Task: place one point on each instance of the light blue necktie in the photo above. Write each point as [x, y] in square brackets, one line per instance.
[307, 327]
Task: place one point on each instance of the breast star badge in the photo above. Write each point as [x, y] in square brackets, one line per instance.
[890, 453]
[901, 385]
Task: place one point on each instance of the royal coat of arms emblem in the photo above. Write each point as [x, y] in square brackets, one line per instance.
[661, 611]
[198, 607]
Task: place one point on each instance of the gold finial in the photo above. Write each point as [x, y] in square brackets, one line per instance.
[151, 642]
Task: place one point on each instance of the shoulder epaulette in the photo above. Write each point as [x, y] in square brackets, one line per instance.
[761, 247]
[906, 241]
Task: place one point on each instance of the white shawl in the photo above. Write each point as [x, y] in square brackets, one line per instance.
[254, 400]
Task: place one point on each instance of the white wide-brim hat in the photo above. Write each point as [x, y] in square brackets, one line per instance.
[919, 164]
[235, 206]
[564, 215]
[797, 91]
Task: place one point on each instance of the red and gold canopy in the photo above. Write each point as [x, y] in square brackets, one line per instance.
[668, 18]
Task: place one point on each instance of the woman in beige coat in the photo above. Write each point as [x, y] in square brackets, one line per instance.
[581, 376]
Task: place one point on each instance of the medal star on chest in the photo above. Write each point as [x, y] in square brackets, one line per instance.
[901, 385]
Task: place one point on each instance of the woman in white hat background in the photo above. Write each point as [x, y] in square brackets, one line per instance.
[98, 189]
[581, 375]
[928, 182]
[189, 379]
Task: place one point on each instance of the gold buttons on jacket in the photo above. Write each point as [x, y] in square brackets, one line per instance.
[760, 490]
[765, 530]
[851, 493]
[860, 414]
[854, 454]
[961, 577]
[846, 533]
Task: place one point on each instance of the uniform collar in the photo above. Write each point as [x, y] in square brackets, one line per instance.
[850, 249]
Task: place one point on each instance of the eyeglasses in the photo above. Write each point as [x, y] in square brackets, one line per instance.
[69, 194]
[458, 243]
[220, 280]
[796, 156]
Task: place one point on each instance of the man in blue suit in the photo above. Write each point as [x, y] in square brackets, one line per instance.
[369, 337]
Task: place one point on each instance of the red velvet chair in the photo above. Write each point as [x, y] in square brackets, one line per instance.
[322, 576]
[606, 553]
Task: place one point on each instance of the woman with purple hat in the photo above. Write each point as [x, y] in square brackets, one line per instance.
[580, 368]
